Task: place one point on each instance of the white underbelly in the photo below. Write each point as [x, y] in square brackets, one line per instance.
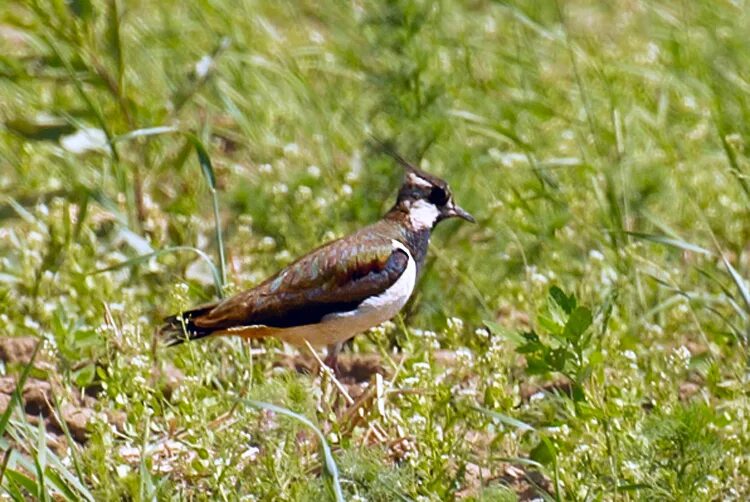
[339, 327]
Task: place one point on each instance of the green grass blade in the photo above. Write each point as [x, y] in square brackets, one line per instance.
[63, 481]
[504, 419]
[738, 281]
[22, 480]
[208, 172]
[146, 132]
[670, 241]
[115, 40]
[18, 392]
[6, 459]
[330, 463]
[143, 258]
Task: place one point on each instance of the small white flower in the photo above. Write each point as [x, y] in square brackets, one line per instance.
[313, 171]
[464, 356]
[122, 470]
[283, 255]
[630, 355]
[203, 66]
[291, 149]
[481, 333]
[316, 37]
[265, 168]
[410, 381]
[30, 323]
[304, 193]
[279, 188]
[420, 368]
[267, 243]
[539, 278]
[455, 323]
[538, 396]
[683, 355]
[596, 255]
[418, 421]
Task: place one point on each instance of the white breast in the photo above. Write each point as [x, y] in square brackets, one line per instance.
[340, 327]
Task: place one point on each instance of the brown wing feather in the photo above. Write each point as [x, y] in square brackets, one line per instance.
[334, 278]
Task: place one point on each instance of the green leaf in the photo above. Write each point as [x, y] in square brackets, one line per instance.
[114, 40]
[203, 159]
[81, 8]
[13, 490]
[40, 128]
[208, 173]
[22, 480]
[579, 321]
[544, 452]
[738, 281]
[85, 375]
[40, 461]
[530, 348]
[578, 393]
[556, 359]
[497, 329]
[16, 396]
[504, 419]
[549, 324]
[536, 366]
[567, 303]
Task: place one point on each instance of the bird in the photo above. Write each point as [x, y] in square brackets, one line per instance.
[339, 289]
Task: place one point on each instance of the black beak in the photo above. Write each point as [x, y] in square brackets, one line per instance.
[459, 212]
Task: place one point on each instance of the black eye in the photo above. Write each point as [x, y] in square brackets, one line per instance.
[438, 196]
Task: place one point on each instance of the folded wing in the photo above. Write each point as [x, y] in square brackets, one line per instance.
[332, 279]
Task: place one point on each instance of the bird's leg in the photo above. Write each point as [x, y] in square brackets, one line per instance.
[332, 356]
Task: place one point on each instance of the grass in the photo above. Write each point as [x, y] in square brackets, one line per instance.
[592, 327]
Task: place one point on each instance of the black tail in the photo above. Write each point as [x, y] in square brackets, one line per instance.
[180, 328]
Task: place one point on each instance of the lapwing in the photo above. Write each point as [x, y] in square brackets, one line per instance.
[340, 289]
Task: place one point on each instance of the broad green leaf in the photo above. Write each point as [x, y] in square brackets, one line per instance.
[579, 321]
[549, 324]
[544, 452]
[557, 358]
[536, 366]
[567, 303]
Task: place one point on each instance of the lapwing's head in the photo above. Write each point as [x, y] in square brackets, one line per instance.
[426, 199]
